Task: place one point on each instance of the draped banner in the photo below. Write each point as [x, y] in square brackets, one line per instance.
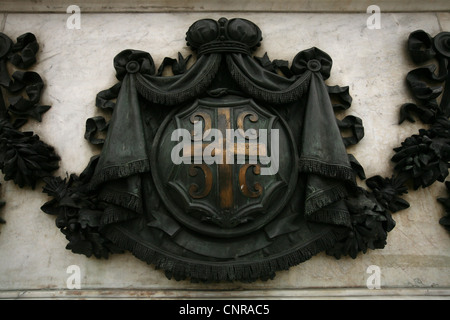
[288, 193]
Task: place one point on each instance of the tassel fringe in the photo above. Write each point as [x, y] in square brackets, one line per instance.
[278, 97]
[201, 271]
[119, 171]
[323, 199]
[337, 217]
[126, 200]
[327, 170]
[176, 97]
[113, 214]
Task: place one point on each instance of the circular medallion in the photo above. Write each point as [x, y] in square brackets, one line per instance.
[224, 167]
[314, 65]
[132, 66]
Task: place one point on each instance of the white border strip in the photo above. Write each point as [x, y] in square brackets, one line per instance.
[333, 293]
[111, 6]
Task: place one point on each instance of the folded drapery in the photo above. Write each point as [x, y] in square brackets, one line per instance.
[137, 216]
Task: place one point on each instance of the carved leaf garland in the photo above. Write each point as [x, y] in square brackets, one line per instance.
[24, 158]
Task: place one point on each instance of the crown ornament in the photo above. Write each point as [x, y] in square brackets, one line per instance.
[236, 36]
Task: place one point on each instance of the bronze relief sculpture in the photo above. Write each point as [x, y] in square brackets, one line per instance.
[229, 170]
[24, 157]
[235, 167]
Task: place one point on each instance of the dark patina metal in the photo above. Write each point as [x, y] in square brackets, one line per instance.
[221, 221]
[225, 221]
[24, 158]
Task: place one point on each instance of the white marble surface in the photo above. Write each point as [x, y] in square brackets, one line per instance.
[444, 20]
[76, 64]
[102, 6]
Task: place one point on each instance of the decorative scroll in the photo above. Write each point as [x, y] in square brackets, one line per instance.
[194, 188]
[245, 189]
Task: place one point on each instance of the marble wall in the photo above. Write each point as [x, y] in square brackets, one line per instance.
[76, 64]
[109, 6]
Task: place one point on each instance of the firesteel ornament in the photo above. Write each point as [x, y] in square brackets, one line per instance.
[261, 182]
